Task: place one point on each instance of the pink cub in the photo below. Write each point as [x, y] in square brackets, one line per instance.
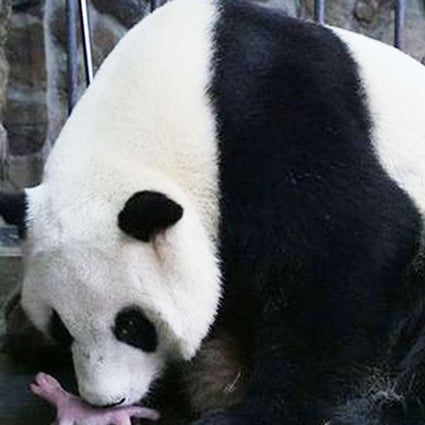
[72, 410]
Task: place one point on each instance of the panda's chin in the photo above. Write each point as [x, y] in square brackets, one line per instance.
[133, 398]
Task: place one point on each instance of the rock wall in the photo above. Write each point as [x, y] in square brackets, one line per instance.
[5, 10]
[108, 25]
[25, 113]
[36, 97]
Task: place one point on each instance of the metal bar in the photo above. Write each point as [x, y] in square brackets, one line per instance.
[87, 48]
[72, 57]
[155, 4]
[320, 11]
[400, 21]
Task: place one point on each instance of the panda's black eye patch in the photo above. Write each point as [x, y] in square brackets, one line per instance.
[133, 328]
[59, 332]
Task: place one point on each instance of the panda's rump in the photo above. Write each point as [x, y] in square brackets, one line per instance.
[393, 85]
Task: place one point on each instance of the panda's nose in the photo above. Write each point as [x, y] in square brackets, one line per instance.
[109, 405]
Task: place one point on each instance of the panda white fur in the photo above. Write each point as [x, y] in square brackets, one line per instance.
[232, 171]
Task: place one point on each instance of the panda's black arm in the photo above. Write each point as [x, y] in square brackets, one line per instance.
[276, 395]
[282, 380]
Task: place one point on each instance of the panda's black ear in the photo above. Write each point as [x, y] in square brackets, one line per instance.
[13, 209]
[147, 213]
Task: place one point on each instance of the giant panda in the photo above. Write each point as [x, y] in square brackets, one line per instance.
[238, 189]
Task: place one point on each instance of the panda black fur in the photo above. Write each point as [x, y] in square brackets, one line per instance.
[270, 195]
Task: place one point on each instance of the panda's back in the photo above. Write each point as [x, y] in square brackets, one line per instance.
[314, 118]
[394, 88]
[308, 89]
[227, 99]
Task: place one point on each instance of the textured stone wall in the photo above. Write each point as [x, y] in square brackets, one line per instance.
[37, 91]
[109, 22]
[5, 11]
[25, 113]
[4, 75]
[36, 55]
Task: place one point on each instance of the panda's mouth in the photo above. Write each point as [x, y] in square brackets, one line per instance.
[108, 406]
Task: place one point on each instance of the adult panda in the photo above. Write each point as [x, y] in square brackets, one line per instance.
[236, 175]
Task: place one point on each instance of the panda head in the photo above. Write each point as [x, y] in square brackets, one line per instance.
[126, 282]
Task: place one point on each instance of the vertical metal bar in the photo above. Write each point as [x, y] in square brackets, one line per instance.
[87, 48]
[320, 11]
[400, 21]
[72, 57]
[155, 4]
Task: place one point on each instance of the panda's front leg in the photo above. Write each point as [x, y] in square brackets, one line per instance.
[302, 366]
[279, 380]
[268, 401]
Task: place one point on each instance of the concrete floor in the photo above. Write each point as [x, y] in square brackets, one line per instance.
[17, 405]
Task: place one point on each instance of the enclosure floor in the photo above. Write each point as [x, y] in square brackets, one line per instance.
[17, 405]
